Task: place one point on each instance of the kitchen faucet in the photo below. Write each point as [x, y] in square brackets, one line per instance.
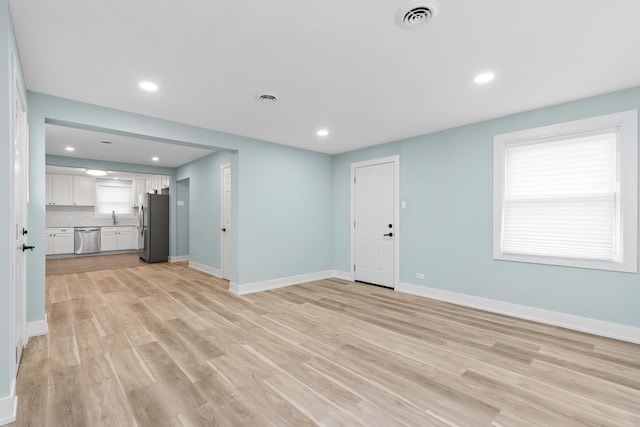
[113, 215]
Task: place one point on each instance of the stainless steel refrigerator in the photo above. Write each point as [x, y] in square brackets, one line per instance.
[153, 235]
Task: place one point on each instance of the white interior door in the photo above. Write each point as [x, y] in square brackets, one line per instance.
[225, 236]
[375, 224]
[19, 223]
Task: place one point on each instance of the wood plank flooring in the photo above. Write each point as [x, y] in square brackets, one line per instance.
[81, 264]
[164, 345]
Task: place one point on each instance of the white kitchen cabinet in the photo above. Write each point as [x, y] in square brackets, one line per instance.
[59, 190]
[84, 191]
[139, 190]
[59, 241]
[116, 238]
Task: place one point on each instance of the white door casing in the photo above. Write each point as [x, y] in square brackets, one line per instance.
[375, 221]
[20, 178]
[225, 221]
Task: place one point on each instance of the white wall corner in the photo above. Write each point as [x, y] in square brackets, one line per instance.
[38, 327]
[578, 323]
[179, 258]
[206, 269]
[9, 406]
[249, 288]
[344, 275]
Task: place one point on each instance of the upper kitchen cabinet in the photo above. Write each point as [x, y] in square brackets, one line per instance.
[139, 189]
[59, 190]
[68, 190]
[84, 191]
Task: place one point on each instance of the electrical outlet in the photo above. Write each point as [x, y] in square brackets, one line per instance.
[419, 276]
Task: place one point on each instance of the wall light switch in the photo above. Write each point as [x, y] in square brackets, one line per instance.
[180, 202]
[404, 204]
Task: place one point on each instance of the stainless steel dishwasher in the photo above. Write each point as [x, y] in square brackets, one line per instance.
[86, 240]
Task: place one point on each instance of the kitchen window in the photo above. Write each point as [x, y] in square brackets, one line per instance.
[567, 194]
[114, 195]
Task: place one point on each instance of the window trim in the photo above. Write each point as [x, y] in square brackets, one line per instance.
[627, 122]
[113, 184]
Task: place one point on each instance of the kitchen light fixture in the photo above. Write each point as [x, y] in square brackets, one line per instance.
[484, 78]
[155, 159]
[96, 172]
[69, 148]
[148, 86]
[322, 132]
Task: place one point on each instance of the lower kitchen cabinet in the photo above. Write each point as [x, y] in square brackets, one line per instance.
[116, 238]
[59, 241]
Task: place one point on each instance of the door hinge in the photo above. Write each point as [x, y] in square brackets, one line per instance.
[354, 267]
[354, 179]
[354, 223]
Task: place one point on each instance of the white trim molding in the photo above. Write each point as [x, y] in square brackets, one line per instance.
[569, 321]
[344, 275]
[9, 406]
[206, 269]
[38, 327]
[249, 288]
[179, 258]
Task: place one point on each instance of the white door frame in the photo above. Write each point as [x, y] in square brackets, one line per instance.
[396, 212]
[19, 292]
[222, 259]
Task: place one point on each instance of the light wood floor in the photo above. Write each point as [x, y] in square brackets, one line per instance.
[81, 264]
[163, 345]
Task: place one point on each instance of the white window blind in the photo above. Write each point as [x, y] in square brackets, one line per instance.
[562, 197]
[114, 196]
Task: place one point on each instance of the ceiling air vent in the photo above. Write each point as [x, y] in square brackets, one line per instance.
[417, 13]
[267, 97]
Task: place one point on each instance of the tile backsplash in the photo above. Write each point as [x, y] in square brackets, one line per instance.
[82, 216]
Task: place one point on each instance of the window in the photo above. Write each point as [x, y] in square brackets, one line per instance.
[567, 194]
[114, 195]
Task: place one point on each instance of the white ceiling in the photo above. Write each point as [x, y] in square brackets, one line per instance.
[344, 65]
[87, 145]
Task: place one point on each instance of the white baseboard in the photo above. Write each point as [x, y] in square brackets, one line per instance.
[206, 269]
[38, 327]
[569, 321]
[249, 288]
[9, 406]
[344, 275]
[179, 258]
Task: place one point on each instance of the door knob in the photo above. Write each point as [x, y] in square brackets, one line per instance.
[25, 247]
[388, 235]
[223, 230]
[24, 231]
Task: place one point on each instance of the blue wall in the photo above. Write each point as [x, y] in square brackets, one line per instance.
[446, 178]
[204, 210]
[182, 218]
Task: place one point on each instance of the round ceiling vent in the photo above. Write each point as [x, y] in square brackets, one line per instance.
[417, 13]
[267, 97]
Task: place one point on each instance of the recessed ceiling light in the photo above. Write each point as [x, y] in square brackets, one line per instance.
[322, 132]
[155, 159]
[96, 172]
[69, 148]
[148, 86]
[484, 78]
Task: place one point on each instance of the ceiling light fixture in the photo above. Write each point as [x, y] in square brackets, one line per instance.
[96, 172]
[322, 132]
[155, 159]
[148, 86]
[484, 78]
[69, 148]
